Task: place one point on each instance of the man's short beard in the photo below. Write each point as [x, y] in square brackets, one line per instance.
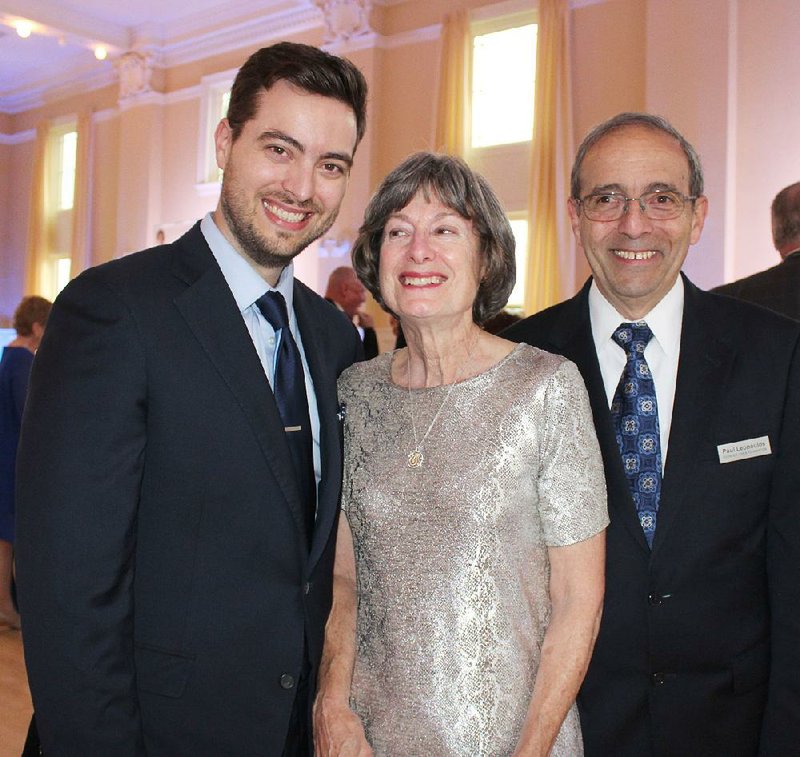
[256, 247]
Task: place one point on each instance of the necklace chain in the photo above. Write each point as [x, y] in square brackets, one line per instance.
[416, 457]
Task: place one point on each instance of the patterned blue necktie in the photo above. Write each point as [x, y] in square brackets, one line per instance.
[290, 396]
[635, 413]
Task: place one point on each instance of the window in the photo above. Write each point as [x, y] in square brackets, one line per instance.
[503, 66]
[68, 151]
[519, 225]
[213, 108]
[501, 114]
[61, 157]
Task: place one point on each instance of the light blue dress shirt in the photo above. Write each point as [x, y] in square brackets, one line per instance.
[247, 286]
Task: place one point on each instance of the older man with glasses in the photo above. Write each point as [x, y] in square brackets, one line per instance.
[696, 400]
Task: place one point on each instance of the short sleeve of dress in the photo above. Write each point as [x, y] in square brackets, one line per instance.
[572, 489]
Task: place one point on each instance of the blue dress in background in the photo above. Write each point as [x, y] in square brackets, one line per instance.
[15, 369]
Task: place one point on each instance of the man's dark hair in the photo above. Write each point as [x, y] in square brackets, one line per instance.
[303, 66]
[786, 216]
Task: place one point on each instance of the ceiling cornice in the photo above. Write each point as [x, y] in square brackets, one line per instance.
[235, 36]
[68, 22]
[223, 32]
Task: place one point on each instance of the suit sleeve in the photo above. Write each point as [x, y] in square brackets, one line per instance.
[781, 732]
[80, 465]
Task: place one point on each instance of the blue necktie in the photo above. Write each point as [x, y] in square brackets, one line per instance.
[290, 395]
[635, 413]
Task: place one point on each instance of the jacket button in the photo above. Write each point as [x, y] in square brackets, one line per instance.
[307, 588]
[658, 679]
[287, 681]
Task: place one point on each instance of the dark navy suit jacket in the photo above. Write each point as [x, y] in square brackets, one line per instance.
[166, 586]
[777, 288]
[698, 650]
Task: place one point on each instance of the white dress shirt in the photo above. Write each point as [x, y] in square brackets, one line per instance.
[662, 353]
[247, 286]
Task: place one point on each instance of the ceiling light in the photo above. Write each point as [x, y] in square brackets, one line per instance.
[100, 52]
[24, 28]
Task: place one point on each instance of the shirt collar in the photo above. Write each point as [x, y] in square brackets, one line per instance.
[665, 319]
[244, 282]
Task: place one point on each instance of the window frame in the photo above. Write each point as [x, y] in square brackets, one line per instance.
[521, 257]
[56, 261]
[214, 89]
[480, 26]
[495, 162]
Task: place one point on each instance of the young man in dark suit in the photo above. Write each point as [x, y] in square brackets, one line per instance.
[179, 469]
[696, 400]
[777, 288]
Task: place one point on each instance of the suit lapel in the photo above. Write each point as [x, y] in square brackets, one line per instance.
[324, 378]
[211, 313]
[572, 338]
[705, 363]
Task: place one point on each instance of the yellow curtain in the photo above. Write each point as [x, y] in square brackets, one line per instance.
[550, 160]
[453, 98]
[37, 217]
[79, 245]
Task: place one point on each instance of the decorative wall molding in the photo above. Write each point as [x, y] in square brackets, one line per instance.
[19, 138]
[143, 98]
[134, 69]
[345, 19]
[248, 33]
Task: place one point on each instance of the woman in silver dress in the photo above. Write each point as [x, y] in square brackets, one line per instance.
[470, 558]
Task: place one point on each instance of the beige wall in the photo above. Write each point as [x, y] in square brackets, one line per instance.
[105, 188]
[608, 71]
[15, 180]
[767, 113]
[688, 70]
[725, 71]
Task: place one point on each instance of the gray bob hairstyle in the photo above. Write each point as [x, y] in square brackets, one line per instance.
[462, 190]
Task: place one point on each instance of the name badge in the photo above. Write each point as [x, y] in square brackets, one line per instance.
[744, 449]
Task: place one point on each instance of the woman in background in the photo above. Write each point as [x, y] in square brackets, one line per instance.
[30, 319]
[469, 569]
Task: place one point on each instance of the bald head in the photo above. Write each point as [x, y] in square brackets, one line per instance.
[786, 219]
[346, 290]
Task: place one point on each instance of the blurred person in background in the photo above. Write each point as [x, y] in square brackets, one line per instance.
[30, 319]
[348, 294]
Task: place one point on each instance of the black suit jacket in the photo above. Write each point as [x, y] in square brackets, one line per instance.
[698, 649]
[166, 587]
[777, 288]
[371, 349]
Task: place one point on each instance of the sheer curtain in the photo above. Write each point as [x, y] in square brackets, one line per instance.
[453, 100]
[549, 231]
[37, 218]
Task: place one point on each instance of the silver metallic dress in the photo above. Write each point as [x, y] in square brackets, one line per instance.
[451, 556]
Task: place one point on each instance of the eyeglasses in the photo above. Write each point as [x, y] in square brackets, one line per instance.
[611, 206]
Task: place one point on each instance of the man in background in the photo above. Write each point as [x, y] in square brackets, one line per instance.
[348, 294]
[179, 467]
[696, 401]
[777, 288]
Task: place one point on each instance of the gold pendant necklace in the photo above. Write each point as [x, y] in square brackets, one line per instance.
[417, 457]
